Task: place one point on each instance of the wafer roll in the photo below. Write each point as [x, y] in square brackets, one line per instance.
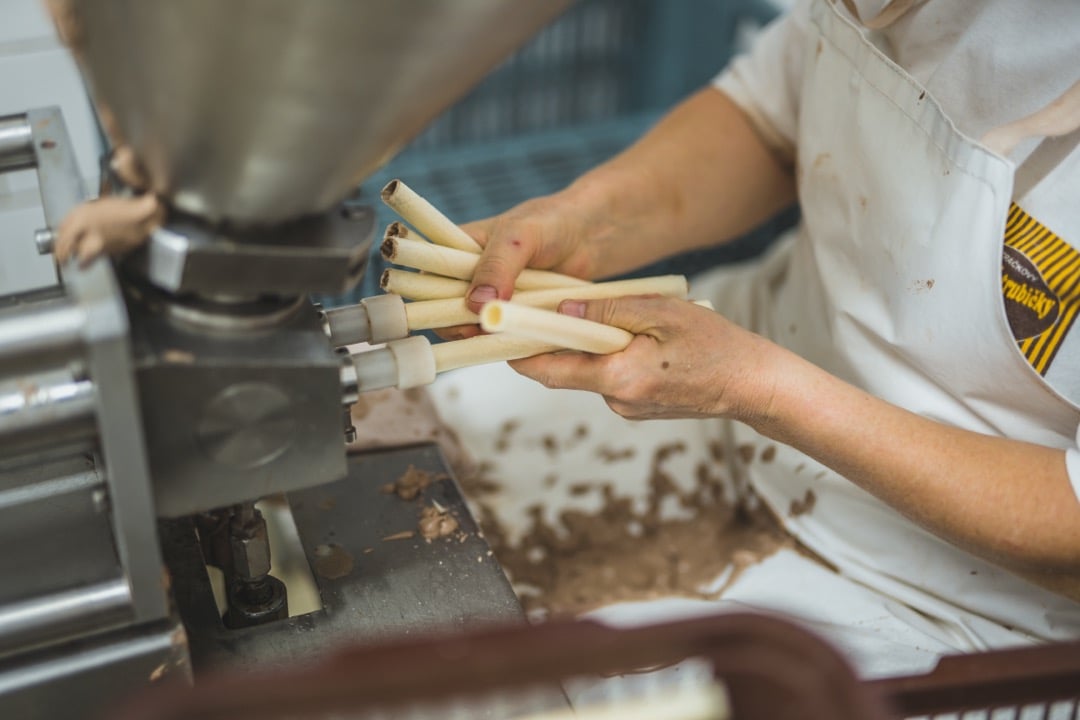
[461, 265]
[484, 349]
[422, 215]
[434, 314]
[399, 229]
[421, 286]
[548, 326]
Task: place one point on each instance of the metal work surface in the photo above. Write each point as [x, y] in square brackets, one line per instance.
[372, 588]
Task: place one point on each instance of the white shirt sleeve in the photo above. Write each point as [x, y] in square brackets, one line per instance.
[766, 81]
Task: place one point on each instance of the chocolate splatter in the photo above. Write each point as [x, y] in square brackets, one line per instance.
[746, 453]
[476, 480]
[610, 455]
[768, 454]
[624, 552]
[436, 522]
[502, 442]
[804, 506]
[412, 483]
[361, 408]
[332, 561]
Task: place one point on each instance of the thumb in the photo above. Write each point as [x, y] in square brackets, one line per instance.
[503, 259]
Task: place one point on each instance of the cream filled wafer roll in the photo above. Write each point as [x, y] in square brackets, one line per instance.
[422, 215]
[552, 327]
[421, 286]
[461, 265]
[400, 229]
[434, 314]
[429, 286]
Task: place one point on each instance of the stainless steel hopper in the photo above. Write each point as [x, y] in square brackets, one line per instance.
[260, 111]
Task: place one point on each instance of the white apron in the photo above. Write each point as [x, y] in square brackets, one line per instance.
[898, 290]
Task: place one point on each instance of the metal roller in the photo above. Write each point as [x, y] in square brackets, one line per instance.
[16, 143]
[45, 329]
[45, 413]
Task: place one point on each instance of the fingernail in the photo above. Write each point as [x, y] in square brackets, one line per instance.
[573, 308]
[483, 294]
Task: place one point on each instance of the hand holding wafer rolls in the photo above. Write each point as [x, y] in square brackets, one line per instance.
[460, 264]
[682, 360]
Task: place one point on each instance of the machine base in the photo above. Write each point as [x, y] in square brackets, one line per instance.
[373, 587]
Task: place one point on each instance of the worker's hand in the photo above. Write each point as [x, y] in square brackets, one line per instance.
[544, 233]
[686, 361]
[108, 225]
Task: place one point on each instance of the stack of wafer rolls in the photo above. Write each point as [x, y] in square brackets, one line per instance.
[437, 259]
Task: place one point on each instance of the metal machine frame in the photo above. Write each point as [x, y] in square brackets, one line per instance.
[121, 404]
[85, 593]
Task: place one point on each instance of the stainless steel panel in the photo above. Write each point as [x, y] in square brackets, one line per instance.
[108, 363]
[235, 411]
[261, 111]
[59, 180]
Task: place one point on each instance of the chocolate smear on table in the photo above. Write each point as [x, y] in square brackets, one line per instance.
[586, 560]
[412, 482]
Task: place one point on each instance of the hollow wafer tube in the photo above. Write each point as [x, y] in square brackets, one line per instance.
[421, 286]
[422, 215]
[484, 349]
[552, 327]
[461, 265]
[429, 286]
[434, 314]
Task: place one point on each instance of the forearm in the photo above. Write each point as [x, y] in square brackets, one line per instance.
[700, 177]
[1007, 501]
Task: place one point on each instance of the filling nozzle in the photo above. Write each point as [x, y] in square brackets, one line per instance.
[403, 364]
[414, 361]
[376, 319]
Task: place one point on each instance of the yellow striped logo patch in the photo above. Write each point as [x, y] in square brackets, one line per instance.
[1040, 283]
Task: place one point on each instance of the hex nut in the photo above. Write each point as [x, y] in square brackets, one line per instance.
[250, 550]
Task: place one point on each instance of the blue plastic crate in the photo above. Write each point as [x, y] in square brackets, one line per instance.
[581, 91]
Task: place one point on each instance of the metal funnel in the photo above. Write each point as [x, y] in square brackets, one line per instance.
[258, 111]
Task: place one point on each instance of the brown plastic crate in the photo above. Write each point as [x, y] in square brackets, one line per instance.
[769, 667]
